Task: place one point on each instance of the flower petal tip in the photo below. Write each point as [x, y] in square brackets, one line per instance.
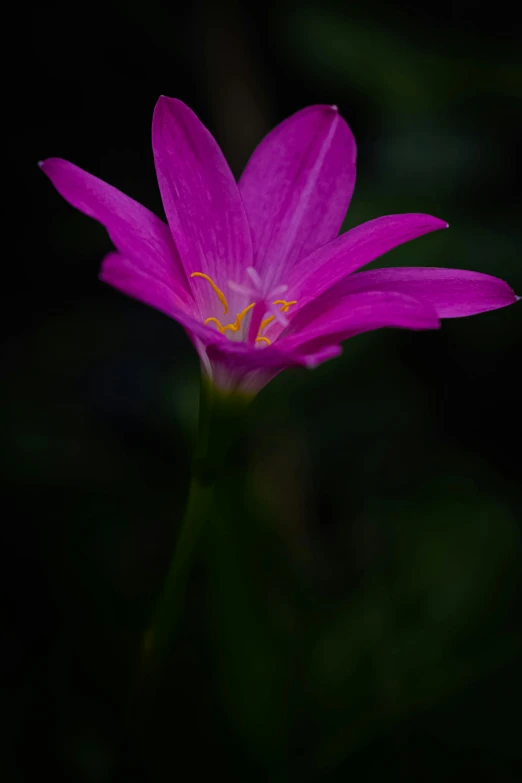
[441, 223]
[436, 223]
[334, 108]
[163, 101]
[47, 164]
[168, 100]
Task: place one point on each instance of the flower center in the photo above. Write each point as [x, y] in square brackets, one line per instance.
[235, 326]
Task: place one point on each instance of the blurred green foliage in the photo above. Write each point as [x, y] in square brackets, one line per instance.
[355, 607]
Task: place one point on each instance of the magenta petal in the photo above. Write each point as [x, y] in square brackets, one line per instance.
[242, 367]
[330, 321]
[242, 356]
[315, 333]
[354, 249]
[136, 232]
[451, 292]
[201, 199]
[124, 275]
[296, 188]
[237, 367]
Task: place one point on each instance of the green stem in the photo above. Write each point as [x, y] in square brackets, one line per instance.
[161, 631]
[220, 417]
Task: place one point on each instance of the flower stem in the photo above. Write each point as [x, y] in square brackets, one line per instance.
[219, 418]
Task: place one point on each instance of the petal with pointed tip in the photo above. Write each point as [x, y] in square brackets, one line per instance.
[354, 249]
[137, 233]
[296, 188]
[453, 293]
[201, 199]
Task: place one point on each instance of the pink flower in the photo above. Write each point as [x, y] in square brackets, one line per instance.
[255, 271]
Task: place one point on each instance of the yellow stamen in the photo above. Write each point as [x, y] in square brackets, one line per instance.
[285, 304]
[266, 322]
[219, 293]
[236, 326]
[214, 320]
[284, 309]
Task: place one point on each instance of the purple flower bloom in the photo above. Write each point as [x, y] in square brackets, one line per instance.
[255, 271]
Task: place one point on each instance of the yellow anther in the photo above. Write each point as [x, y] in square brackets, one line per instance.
[214, 320]
[266, 322]
[284, 309]
[286, 305]
[219, 293]
[236, 326]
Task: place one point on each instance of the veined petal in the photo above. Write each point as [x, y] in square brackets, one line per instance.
[201, 199]
[123, 274]
[453, 293]
[354, 249]
[329, 321]
[314, 335]
[296, 188]
[137, 233]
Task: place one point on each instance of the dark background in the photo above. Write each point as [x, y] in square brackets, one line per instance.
[358, 614]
